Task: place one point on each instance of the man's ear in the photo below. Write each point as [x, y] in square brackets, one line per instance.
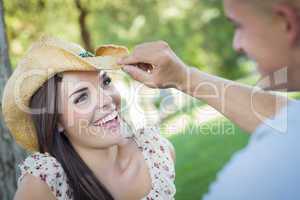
[60, 127]
[291, 17]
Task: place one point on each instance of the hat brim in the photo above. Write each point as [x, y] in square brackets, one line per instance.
[103, 62]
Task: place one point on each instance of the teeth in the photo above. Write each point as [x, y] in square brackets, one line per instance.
[107, 118]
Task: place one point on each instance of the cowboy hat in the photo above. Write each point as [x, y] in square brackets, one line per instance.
[47, 57]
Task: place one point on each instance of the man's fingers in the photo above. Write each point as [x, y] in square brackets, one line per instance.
[137, 73]
[127, 60]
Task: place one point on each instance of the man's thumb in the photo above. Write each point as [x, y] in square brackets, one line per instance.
[136, 73]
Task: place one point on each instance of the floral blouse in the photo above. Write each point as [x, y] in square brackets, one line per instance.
[154, 147]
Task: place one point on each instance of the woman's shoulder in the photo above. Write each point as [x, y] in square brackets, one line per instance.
[151, 138]
[46, 168]
[38, 157]
[149, 131]
[160, 157]
[41, 163]
[151, 135]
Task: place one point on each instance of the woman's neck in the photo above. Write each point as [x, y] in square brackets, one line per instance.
[106, 161]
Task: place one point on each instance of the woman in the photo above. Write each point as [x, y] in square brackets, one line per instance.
[61, 104]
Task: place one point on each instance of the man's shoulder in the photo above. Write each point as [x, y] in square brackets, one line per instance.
[285, 122]
[269, 163]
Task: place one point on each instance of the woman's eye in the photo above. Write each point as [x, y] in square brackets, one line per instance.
[81, 98]
[107, 81]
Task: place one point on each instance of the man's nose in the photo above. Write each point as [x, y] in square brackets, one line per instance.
[237, 44]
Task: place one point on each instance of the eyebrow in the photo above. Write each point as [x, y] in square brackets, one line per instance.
[77, 91]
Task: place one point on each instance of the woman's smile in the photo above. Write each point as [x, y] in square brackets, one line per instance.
[110, 121]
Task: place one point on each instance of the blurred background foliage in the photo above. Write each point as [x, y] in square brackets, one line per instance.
[196, 30]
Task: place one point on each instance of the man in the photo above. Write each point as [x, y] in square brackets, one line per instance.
[268, 32]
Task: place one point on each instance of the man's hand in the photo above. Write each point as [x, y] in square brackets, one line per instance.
[168, 70]
[236, 101]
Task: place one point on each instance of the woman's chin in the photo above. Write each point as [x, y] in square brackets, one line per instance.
[113, 132]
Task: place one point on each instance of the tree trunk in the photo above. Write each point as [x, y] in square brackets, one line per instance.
[10, 152]
[85, 34]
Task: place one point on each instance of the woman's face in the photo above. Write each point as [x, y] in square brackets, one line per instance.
[89, 108]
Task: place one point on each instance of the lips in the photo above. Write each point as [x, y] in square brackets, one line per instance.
[112, 117]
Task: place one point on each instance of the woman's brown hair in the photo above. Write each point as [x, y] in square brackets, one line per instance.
[83, 182]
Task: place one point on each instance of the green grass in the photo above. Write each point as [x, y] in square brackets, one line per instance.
[201, 152]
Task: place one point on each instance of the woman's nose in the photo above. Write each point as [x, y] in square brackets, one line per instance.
[105, 100]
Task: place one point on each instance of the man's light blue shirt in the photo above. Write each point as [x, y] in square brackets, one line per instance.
[268, 168]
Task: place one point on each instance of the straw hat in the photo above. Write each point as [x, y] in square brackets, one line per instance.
[45, 58]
